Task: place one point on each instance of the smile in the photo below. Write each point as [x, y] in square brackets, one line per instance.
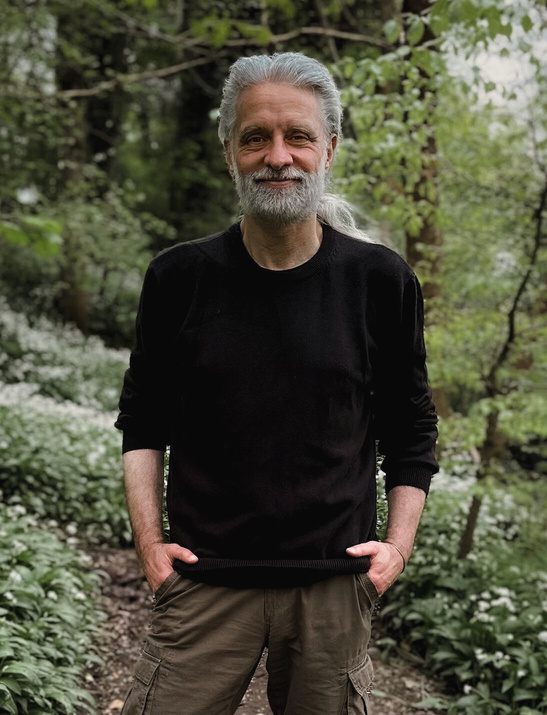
[278, 182]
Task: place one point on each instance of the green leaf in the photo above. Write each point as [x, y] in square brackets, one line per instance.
[524, 695]
[416, 30]
[12, 684]
[26, 671]
[12, 233]
[391, 30]
[7, 702]
[526, 23]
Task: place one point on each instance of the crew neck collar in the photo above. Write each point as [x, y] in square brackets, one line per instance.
[247, 263]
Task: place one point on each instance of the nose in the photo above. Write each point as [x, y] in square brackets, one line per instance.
[278, 154]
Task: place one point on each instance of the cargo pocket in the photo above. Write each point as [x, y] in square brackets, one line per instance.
[139, 698]
[359, 688]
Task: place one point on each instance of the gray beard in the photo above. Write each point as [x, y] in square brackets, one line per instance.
[280, 206]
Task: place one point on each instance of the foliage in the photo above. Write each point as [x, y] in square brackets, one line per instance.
[48, 618]
[388, 163]
[43, 235]
[103, 251]
[62, 461]
[59, 360]
[479, 622]
[491, 186]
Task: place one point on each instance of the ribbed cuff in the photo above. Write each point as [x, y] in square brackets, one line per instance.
[416, 477]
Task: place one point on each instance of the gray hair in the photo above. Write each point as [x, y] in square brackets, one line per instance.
[297, 70]
[282, 68]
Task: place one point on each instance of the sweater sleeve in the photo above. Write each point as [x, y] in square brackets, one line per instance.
[404, 413]
[143, 401]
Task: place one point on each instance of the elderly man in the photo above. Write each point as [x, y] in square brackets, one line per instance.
[270, 357]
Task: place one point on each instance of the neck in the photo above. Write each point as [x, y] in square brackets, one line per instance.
[281, 247]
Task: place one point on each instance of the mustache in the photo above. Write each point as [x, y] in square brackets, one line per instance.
[268, 174]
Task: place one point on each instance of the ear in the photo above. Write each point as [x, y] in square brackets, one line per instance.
[331, 148]
[228, 157]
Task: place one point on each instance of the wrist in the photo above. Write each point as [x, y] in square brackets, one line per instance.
[143, 549]
[399, 551]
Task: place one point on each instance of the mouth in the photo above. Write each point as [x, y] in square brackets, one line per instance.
[278, 182]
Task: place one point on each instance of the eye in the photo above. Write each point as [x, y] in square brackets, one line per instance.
[254, 139]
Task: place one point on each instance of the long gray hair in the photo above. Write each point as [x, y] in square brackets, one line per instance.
[299, 71]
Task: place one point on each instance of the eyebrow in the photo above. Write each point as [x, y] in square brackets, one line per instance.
[257, 129]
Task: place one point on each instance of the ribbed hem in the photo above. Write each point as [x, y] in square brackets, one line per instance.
[266, 573]
[347, 565]
[415, 477]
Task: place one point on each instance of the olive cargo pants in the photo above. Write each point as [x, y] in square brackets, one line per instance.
[205, 642]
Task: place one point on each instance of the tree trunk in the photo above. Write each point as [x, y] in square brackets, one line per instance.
[466, 542]
[423, 250]
[72, 304]
[491, 448]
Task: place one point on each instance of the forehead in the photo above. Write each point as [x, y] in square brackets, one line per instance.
[274, 106]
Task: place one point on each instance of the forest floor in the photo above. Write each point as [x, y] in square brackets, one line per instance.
[126, 599]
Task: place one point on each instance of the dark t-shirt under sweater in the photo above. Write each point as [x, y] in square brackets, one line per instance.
[270, 388]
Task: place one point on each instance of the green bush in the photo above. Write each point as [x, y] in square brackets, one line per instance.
[62, 461]
[480, 621]
[103, 252]
[59, 360]
[48, 616]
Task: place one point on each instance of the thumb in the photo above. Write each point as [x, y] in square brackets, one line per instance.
[369, 548]
[176, 551]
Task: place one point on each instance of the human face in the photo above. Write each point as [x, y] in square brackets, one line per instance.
[279, 155]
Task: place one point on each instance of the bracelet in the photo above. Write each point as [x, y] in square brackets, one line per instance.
[400, 553]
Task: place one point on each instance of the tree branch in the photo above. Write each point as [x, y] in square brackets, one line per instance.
[511, 316]
[121, 80]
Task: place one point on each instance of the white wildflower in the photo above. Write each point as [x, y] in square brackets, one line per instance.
[15, 576]
[502, 591]
[52, 595]
[18, 547]
[504, 601]
[542, 636]
[27, 196]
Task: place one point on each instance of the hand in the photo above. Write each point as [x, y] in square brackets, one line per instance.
[386, 563]
[157, 561]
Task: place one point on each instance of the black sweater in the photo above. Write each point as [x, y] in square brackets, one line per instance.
[271, 388]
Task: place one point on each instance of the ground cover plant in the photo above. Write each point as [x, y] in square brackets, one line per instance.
[62, 461]
[479, 621]
[59, 359]
[48, 618]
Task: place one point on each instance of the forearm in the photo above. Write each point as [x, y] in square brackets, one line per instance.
[143, 481]
[405, 506]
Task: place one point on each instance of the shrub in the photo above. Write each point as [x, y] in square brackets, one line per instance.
[478, 621]
[48, 617]
[62, 461]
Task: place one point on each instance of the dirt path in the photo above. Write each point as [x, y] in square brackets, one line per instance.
[126, 600]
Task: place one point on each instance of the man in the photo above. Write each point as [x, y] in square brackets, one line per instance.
[270, 357]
